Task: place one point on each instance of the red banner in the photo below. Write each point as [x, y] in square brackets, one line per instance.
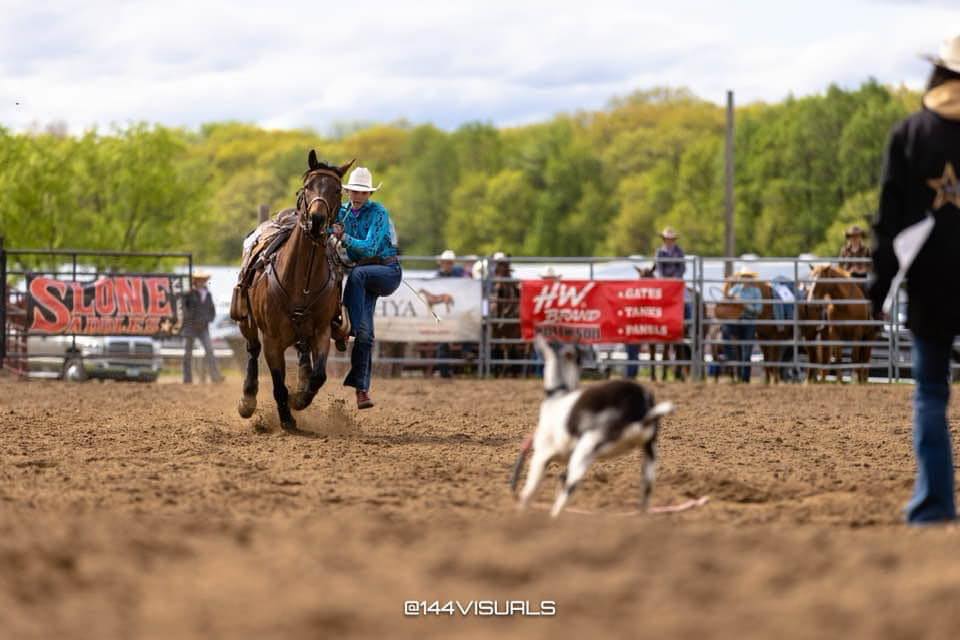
[603, 311]
[115, 305]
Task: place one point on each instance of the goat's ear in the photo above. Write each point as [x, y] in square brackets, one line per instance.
[312, 159]
[342, 169]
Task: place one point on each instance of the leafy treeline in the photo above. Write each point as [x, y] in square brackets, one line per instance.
[592, 183]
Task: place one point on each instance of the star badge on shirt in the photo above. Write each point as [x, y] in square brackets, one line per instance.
[947, 188]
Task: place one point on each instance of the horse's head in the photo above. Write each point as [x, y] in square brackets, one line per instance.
[821, 280]
[319, 198]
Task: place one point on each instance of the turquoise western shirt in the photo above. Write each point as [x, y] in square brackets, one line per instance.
[369, 232]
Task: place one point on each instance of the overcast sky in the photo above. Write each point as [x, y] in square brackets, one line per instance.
[294, 64]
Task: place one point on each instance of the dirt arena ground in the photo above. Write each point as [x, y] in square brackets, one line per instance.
[153, 511]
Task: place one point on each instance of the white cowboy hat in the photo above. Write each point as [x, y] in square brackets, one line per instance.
[500, 256]
[361, 180]
[200, 275]
[448, 254]
[949, 55]
[669, 233]
[549, 273]
[744, 272]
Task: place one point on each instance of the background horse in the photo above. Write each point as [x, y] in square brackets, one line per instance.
[765, 332]
[770, 329]
[504, 304]
[295, 298]
[827, 285]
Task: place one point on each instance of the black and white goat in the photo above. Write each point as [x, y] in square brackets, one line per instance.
[581, 426]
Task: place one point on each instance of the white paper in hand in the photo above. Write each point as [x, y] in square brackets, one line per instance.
[906, 246]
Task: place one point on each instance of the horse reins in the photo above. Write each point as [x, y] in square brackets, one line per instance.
[297, 313]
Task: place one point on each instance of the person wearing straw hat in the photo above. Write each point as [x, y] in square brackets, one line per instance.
[198, 312]
[741, 286]
[550, 274]
[855, 247]
[448, 267]
[670, 257]
[920, 184]
[365, 231]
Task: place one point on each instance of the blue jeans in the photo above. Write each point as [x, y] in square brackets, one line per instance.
[932, 499]
[443, 352]
[739, 352]
[633, 353]
[364, 285]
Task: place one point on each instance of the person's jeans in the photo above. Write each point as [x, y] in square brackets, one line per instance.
[633, 353]
[932, 499]
[212, 368]
[364, 285]
[443, 352]
[739, 352]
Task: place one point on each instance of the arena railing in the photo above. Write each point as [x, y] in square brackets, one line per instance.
[704, 278]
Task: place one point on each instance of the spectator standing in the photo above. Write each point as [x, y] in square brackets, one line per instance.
[670, 257]
[448, 268]
[738, 337]
[854, 247]
[920, 179]
[198, 312]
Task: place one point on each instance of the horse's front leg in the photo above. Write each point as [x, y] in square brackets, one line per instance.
[274, 355]
[318, 374]
[248, 402]
[304, 369]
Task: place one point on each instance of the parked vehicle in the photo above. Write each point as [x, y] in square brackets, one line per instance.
[133, 358]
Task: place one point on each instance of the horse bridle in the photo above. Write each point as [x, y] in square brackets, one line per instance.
[305, 219]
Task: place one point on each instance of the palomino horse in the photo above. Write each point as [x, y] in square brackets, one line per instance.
[827, 285]
[295, 298]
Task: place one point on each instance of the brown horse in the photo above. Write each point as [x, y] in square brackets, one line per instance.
[827, 285]
[766, 329]
[504, 304]
[295, 298]
[810, 333]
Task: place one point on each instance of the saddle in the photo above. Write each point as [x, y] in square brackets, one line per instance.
[260, 247]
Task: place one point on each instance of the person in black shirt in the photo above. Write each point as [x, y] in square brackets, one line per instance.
[198, 313]
[920, 180]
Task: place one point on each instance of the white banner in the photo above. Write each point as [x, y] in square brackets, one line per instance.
[405, 316]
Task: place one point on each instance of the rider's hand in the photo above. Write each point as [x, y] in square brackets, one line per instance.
[338, 230]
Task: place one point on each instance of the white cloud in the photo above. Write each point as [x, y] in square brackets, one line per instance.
[312, 64]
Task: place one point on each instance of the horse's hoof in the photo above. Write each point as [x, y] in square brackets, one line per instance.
[297, 402]
[246, 407]
[290, 426]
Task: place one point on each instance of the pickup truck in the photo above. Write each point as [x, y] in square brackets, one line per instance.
[81, 358]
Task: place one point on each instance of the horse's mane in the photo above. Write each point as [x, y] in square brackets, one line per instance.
[831, 271]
